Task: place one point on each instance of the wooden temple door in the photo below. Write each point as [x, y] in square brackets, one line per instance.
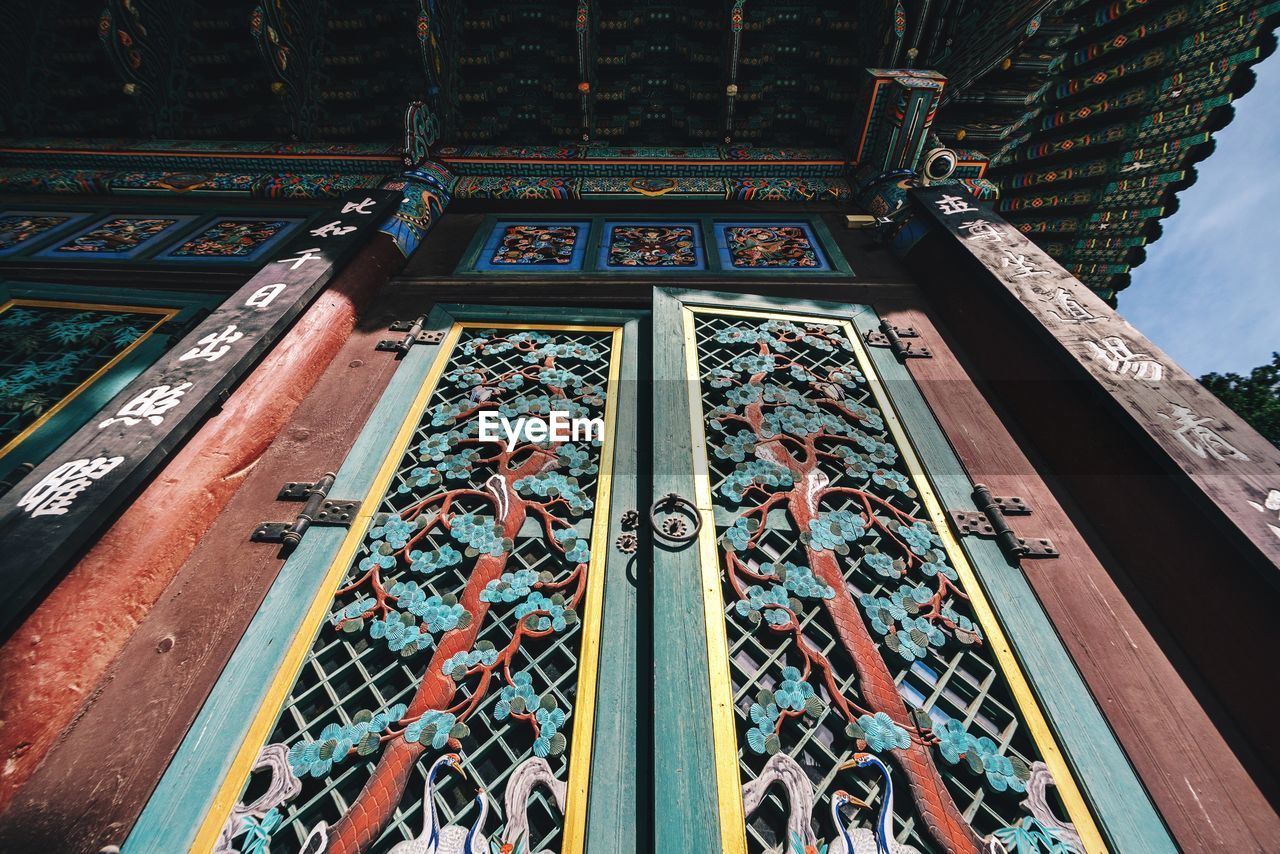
[864, 678]
[458, 667]
[733, 619]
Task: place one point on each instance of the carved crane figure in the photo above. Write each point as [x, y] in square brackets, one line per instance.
[861, 840]
[435, 839]
[455, 839]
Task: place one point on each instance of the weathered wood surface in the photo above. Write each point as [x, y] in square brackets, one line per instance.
[686, 806]
[193, 780]
[138, 712]
[1212, 797]
[615, 814]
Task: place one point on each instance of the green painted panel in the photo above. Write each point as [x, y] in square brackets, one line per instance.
[686, 805]
[66, 351]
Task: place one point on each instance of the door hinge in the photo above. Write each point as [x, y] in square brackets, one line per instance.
[891, 336]
[319, 509]
[414, 334]
[989, 523]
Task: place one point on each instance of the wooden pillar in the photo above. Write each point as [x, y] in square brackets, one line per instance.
[1171, 482]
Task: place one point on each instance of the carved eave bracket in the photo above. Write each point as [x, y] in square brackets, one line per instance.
[146, 43]
[290, 39]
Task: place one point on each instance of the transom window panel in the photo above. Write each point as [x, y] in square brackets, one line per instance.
[650, 245]
[536, 245]
[177, 238]
[764, 246]
[606, 245]
[444, 690]
[231, 239]
[20, 230]
[872, 692]
[117, 237]
[51, 352]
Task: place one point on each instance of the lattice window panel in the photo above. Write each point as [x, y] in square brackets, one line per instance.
[961, 682]
[346, 672]
[48, 351]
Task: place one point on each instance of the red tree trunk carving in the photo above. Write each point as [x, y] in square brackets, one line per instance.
[875, 682]
[377, 801]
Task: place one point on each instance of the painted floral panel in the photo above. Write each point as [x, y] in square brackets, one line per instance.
[16, 229]
[46, 352]
[537, 244]
[118, 235]
[652, 246]
[771, 246]
[230, 238]
[436, 710]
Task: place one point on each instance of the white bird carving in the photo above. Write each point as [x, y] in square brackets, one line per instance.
[451, 839]
[527, 776]
[455, 839]
[784, 770]
[862, 840]
[317, 840]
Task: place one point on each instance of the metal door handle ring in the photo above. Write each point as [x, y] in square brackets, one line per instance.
[674, 528]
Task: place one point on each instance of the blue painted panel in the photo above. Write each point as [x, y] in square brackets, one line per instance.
[122, 236]
[538, 246]
[23, 230]
[242, 239]
[657, 255]
[770, 246]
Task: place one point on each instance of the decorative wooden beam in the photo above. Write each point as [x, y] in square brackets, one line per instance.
[737, 20]
[63, 503]
[1218, 456]
[146, 43]
[290, 38]
[437, 35]
[586, 63]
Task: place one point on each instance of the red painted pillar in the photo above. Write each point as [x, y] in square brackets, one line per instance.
[56, 658]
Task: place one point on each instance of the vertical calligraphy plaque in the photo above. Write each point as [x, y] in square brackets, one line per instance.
[1225, 459]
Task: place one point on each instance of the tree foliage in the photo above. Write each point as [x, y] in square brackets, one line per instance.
[1255, 398]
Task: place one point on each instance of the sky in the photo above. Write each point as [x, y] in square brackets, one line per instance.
[1209, 292]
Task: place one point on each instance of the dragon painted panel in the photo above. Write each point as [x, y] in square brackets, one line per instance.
[17, 229]
[231, 238]
[644, 245]
[869, 707]
[771, 246]
[551, 245]
[48, 352]
[119, 235]
[437, 707]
